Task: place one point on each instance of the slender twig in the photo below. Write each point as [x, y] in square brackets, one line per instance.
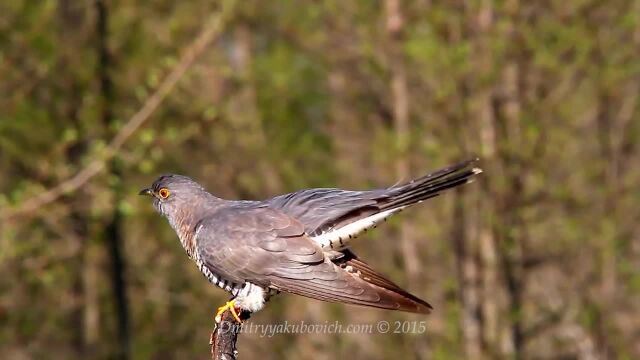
[211, 30]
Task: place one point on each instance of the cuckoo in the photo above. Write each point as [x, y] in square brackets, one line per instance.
[296, 243]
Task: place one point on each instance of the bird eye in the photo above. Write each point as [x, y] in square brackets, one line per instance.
[164, 193]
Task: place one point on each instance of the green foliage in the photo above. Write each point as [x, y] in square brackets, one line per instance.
[296, 95]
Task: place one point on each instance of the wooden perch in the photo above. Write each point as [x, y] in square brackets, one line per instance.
[225, 335]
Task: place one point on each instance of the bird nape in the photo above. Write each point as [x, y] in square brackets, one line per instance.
[297, 243]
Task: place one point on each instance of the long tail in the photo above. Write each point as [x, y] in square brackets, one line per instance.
[429, 186]
[377, 205]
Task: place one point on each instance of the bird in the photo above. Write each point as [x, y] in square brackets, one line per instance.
[297, 243]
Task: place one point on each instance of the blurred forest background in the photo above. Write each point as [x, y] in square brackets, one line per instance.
[538, 259]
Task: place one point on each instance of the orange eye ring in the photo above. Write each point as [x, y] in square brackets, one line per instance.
[164, 193]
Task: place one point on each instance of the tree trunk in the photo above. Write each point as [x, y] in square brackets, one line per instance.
[467, 272]
[113, 229]
[481, 105]
[400, 106]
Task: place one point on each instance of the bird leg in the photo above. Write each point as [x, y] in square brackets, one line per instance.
[231, 306]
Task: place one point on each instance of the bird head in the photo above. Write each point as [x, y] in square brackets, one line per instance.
[173, 194]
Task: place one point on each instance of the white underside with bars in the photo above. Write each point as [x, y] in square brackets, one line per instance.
[338, 239]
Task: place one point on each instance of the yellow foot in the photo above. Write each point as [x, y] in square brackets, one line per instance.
[231, 306]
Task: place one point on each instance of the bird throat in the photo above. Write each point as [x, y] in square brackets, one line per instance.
[183, 224]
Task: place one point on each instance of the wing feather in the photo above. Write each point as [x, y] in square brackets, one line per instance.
[266, 247]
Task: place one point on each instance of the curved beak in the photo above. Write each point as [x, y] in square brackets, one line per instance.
[147, 192]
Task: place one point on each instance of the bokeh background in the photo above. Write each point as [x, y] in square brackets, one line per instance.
[538, 259]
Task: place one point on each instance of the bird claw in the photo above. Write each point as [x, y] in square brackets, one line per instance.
[231, 306]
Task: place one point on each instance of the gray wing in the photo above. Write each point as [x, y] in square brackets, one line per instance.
[268, 248]
[322, 210]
